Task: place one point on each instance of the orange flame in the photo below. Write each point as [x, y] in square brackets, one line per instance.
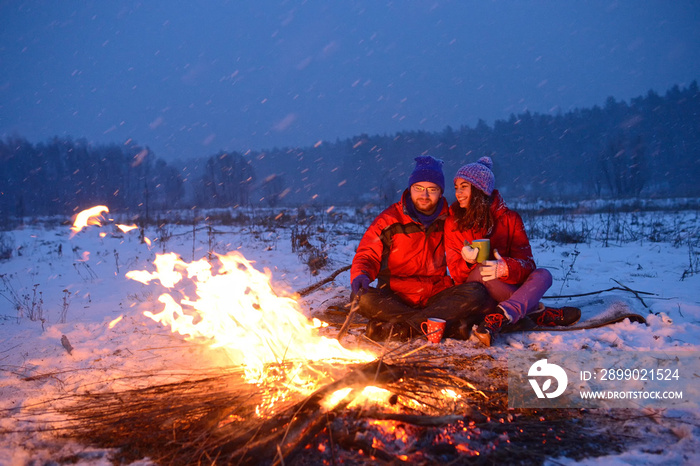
[238, 310]
[88, 217]
[126, 228]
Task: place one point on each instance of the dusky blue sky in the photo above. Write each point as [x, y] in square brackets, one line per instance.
[191, 78]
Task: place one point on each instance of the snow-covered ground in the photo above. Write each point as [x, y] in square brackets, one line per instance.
[56, 285]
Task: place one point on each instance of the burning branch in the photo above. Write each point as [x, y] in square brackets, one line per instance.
[219, 416]
[426, 415]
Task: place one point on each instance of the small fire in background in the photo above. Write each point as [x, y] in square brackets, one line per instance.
[91, 216]
[127, 228]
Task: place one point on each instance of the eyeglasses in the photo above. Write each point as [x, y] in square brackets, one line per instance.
[432, 190]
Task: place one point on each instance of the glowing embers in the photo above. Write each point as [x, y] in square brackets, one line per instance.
[369, 395]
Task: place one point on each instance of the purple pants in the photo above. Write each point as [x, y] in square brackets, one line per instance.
[516, 300]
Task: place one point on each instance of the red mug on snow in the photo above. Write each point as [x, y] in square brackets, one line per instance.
[433, 328]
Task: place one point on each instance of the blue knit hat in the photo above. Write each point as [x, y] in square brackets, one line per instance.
[479, 174]
[428, 169]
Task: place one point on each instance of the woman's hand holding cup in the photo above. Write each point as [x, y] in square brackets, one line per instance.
[469, 253]
[484, 248]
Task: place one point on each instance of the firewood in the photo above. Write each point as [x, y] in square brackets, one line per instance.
[614, 288]
[415, 350]
[354, 307]
[292, 430]
[319, 284]
[297, 445]
[218, 419]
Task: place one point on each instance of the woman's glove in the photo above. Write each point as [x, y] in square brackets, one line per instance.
[491, 270]
[469, 253]
[360, 285]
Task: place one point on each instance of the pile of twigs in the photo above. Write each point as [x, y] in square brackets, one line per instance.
[218, 420]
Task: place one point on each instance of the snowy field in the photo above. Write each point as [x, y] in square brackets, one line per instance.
[56, 285]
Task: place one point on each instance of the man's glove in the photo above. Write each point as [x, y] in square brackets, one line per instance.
[469, 253]
[491, 270]
[360, 285]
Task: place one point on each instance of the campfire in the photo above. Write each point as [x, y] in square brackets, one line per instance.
[294, 396]
[235, 308]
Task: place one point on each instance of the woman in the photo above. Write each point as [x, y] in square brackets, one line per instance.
[510, 274]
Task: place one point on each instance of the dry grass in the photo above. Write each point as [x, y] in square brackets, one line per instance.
[216, 420]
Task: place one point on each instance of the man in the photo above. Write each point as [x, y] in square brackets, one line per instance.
[404, 250]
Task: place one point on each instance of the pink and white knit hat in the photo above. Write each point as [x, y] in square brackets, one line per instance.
[479, 174]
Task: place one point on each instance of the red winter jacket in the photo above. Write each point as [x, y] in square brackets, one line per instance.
[402, 254]
[508, 236]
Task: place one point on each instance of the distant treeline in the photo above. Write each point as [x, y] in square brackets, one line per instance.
[63, 176]
[648, 148]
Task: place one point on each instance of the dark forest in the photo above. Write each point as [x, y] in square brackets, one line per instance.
[647, 148]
